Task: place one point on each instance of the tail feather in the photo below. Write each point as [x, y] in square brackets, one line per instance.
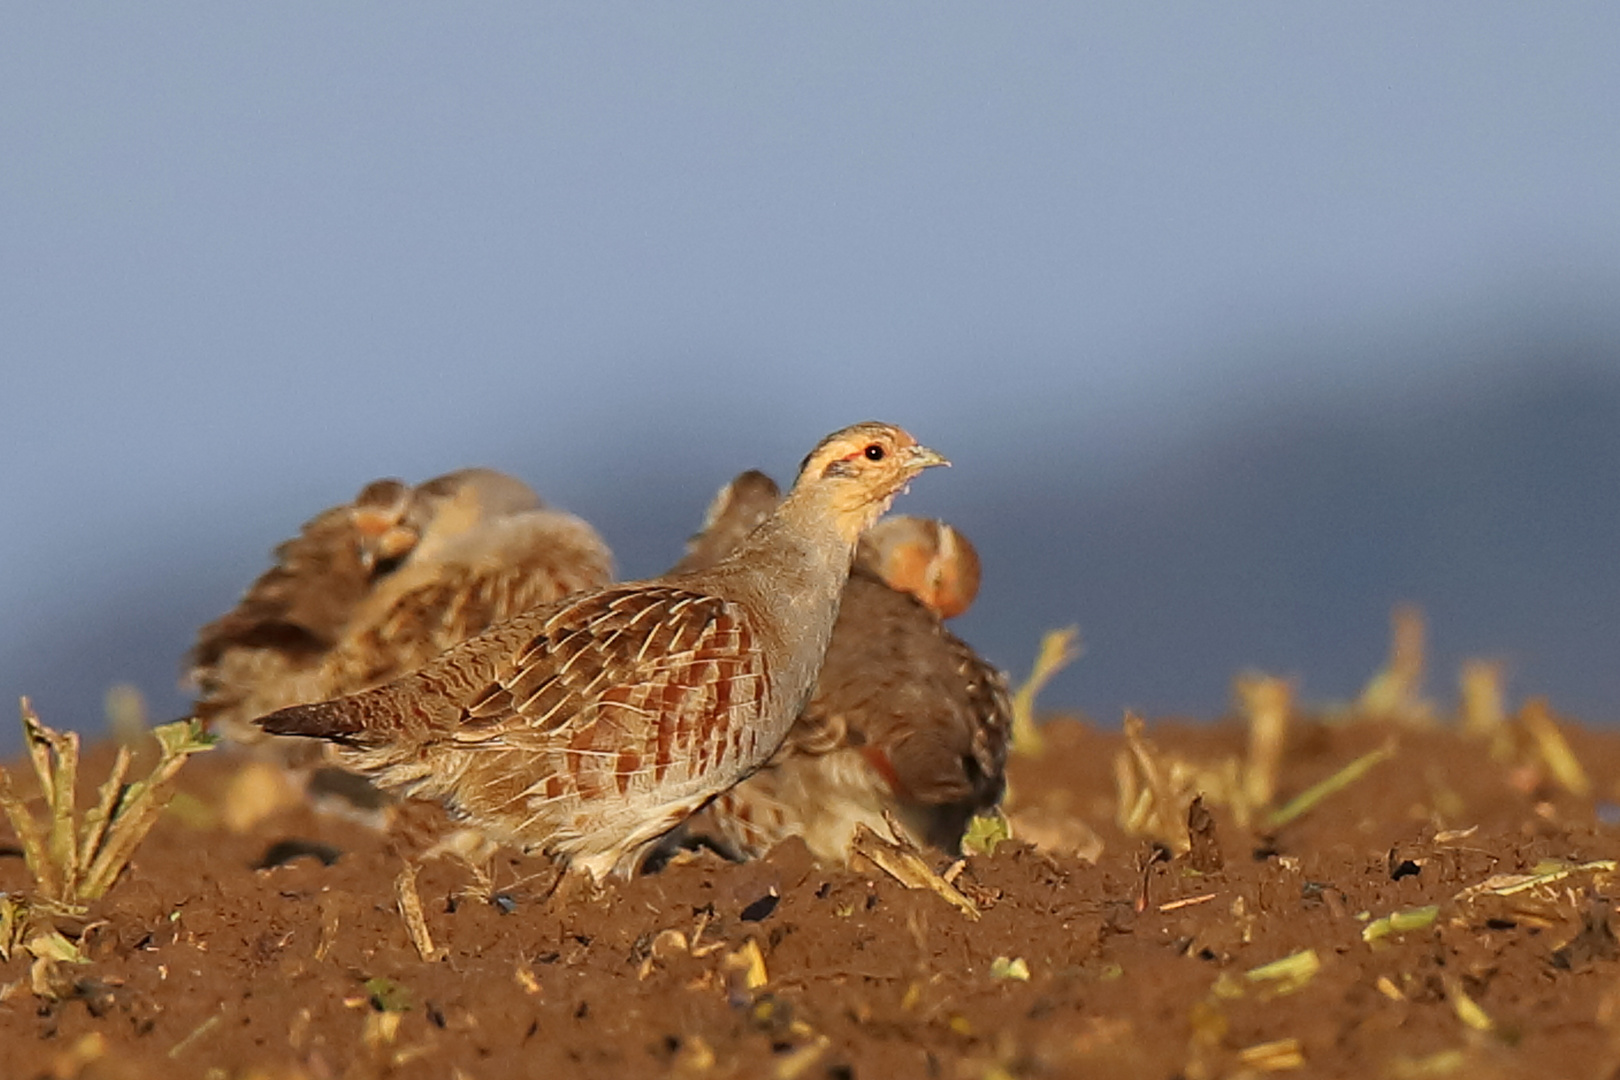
[329, 720]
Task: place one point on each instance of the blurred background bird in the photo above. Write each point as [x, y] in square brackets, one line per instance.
[1246, 323]
[376, 588]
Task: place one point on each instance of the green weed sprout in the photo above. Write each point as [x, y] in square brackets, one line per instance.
[74, 857]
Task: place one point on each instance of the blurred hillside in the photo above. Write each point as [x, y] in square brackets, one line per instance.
[1282, 542]
[1277, 538]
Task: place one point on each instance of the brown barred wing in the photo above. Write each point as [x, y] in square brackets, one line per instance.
[590, 726]
[639, 687]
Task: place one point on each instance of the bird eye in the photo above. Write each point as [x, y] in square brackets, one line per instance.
[874, 452]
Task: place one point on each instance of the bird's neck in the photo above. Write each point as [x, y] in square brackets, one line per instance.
[794, 565]
[815, 554]
[800, 556]
[829, 514]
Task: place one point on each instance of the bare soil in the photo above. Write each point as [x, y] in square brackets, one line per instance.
[280, 950]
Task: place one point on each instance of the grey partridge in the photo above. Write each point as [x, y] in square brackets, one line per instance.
[906, 719]
[589, 728]
[378, 587]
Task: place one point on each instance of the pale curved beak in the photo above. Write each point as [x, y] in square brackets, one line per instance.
[922, 457]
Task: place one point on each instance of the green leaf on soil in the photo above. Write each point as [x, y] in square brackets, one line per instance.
[1287, 975]
[51, 945]
[1015, 968]
[1400, 922]
[183, 737]
[387, 995]
[986, 831]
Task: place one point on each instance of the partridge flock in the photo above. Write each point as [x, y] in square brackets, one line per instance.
[791, 675]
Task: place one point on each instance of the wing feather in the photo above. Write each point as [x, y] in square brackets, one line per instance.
[613, 692]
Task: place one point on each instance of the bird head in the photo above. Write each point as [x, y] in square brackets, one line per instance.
[856, 473]
[926, 558]
[393, 520]
[384, 537]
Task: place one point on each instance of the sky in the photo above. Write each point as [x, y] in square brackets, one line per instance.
[252, 257]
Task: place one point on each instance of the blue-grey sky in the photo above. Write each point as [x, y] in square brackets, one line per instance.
[252, 256]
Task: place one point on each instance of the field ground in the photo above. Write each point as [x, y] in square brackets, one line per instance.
[1442, 913]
